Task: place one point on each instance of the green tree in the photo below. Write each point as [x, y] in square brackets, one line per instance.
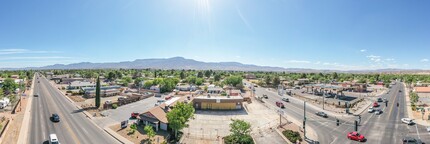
[199, 81]
[182, 75]
[217, 77]
[276, 81]
[98, 93]
[240, 133]
[111, 76]
[149, 132]
[9, 86]
[179, 115]
[1, 94]
[234, 81]
[148, 84]
[133, 128]
[200, 74]
[138, 81]
[208, 74]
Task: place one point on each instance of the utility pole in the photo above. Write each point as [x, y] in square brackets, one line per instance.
[304, 119]
[323, 100]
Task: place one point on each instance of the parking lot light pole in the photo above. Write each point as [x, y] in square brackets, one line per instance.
[304, 119]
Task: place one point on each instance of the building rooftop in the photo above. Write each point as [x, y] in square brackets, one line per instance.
[218, 97]
[422, 89]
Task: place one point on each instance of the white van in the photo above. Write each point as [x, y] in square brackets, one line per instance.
[53, 139]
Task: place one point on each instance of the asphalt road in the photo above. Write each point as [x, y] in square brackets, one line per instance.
[74, 127]
[385, 128]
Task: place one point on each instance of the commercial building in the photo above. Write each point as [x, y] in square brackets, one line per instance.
[218, 102]
[104, 91]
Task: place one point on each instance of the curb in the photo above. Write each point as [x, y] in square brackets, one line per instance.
[4, 130]
[116, 136]
[283, 137]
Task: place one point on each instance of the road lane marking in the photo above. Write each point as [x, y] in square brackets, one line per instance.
[417, 131]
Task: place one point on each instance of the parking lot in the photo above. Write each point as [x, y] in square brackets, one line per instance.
[208, 125]
[115, 116]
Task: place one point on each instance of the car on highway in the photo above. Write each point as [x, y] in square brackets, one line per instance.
[375, 104]
[53, 139]
[280, 104]
[36, 95]
[285, 99]
[411, 140]
[378, 111]
[400, 90]
[134, 115]
[321, 114]
[370, 110]
[265, 96]
[55, 117]
[380, 100]
[407, 121]
[356, 136]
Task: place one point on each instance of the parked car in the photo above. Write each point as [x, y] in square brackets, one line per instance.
[280, 104]
[375, 104]
[428, 129]
[134, 115]
[285, 100]
[265, 96]
[167, 97]
[108, 102]
[321, 114]
[53, 139]
[411, 140]
[407, 121]
[370, 110]
[55, 117]
[385, 100]
[356, 136]
[380, 100]
[400, 90]
[378, 112]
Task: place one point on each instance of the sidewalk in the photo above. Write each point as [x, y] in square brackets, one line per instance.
[23, 133]
[417, 120]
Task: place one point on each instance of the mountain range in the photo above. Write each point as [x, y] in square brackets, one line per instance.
[183, 63]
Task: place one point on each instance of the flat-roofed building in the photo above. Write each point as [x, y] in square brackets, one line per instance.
[218, 102]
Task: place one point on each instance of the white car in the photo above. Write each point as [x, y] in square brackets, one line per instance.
[407, 121]
[428, 129]
[370, 110]
[53, 139]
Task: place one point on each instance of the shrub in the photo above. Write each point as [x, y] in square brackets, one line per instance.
[114, 106]
[293, 136]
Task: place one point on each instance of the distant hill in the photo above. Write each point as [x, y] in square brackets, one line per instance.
[168, 63]
[183, 63]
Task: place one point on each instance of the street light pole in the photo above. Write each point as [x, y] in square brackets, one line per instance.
[304, 119]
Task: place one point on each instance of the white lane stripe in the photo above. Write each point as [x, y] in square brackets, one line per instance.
[417, 131]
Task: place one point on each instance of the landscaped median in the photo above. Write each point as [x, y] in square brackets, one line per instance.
[292, 136]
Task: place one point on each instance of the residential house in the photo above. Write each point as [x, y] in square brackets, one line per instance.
[234, 92]
[70, 80]
[186, 88]
[14, 76]
[250, 76]
[155, 88]
[214, 90]
[301, 81]
[157, 116]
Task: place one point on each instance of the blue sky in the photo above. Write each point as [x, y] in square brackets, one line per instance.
[329, 34]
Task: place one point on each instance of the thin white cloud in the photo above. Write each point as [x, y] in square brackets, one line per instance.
[238, 56]
[318, 62]
[22, 51]
[33, 58]
[297, 61]
[374, 58]
[363, 50]
[424, 60]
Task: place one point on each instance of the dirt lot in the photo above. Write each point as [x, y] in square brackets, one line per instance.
[139, 137]
[211, 126]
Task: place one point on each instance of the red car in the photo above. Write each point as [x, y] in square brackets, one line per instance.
[356, 136]
[280, 104]
[134, 115]
[375, 104]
